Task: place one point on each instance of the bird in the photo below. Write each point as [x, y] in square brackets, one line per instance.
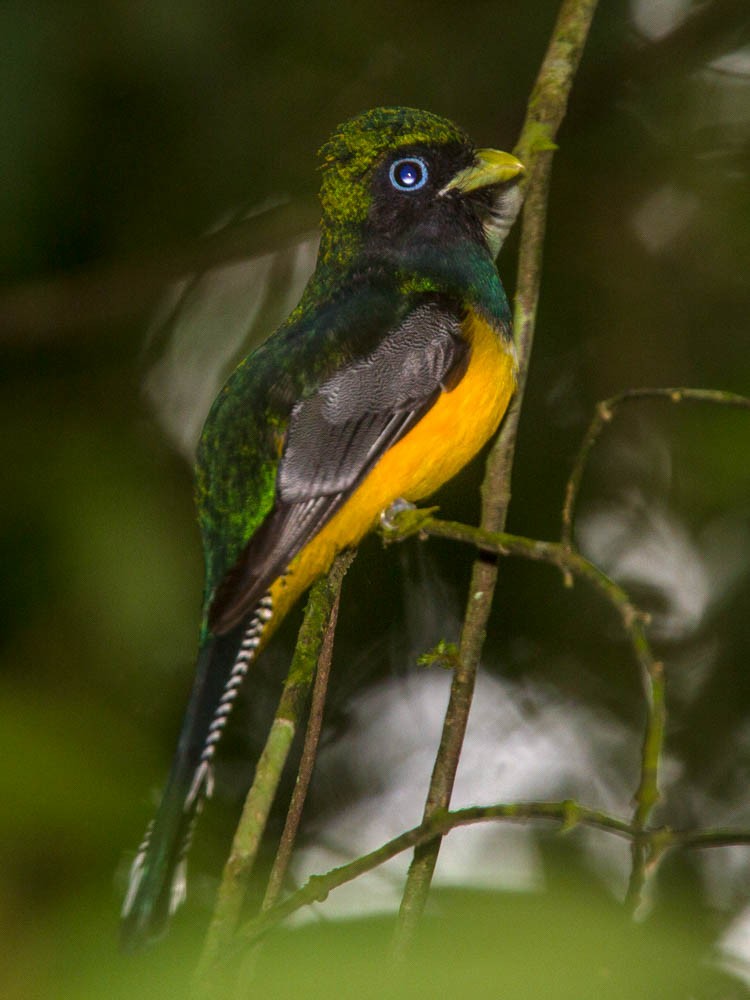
[394, 369]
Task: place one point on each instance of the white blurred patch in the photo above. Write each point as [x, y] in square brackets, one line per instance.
[639, 544]
[655, 19]
[522, 744]
[663, 216]
[207, 322]
[735, 63]
[644, 546]
[723, 107]
[734, 947]
[725, 871]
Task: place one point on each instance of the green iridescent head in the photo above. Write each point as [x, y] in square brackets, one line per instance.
[357, 146]
[397, 177]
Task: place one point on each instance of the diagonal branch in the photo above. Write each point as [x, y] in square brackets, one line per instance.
[567, 814]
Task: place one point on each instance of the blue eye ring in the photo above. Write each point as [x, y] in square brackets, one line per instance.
[408, 174]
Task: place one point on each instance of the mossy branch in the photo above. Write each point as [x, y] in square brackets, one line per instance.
[319, 620]
[546, 109]
[647, 794]
[309, 754]
[567, 814]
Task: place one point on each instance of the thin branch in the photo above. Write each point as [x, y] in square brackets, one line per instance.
[647, 794]
[699, 840]
[605, 412]
[317, 887]
[307, 762]
[546, 109]
[568, 814]
[556, 554]
[247, 838]
[572, 563]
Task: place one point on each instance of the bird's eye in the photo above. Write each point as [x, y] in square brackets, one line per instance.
[408, 174]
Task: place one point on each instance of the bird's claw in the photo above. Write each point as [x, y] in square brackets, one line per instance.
[403, 519]
[389, 515]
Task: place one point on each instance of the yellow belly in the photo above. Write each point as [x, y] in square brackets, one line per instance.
[433, 451]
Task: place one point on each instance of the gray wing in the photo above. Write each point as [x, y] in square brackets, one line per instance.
[335, 436]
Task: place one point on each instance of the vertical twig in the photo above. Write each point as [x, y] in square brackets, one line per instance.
[546, 109]
[647, 793]
[606, 409]
[247, 838]
[306, 765]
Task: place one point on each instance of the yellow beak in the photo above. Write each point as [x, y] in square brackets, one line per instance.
[491, 166]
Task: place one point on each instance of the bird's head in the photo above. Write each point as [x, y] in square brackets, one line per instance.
[396, 179]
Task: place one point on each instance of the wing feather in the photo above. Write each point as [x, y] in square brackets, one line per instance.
[335, 437]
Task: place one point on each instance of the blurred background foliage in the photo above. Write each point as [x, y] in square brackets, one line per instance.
[130, 128]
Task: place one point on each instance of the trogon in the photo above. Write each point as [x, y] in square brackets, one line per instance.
[391, 373]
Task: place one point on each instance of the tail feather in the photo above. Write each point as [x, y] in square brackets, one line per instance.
[158, 874]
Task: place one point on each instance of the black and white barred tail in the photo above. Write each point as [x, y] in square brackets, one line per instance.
[158, 875]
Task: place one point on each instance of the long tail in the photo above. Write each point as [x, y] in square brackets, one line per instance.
[158, 883]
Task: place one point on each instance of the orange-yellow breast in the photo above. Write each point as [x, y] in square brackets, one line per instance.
[433, 451]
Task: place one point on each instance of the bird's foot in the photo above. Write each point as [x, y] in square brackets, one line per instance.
[403, 519]
[389, 515]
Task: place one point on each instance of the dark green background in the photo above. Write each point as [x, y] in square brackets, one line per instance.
[125, 131]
